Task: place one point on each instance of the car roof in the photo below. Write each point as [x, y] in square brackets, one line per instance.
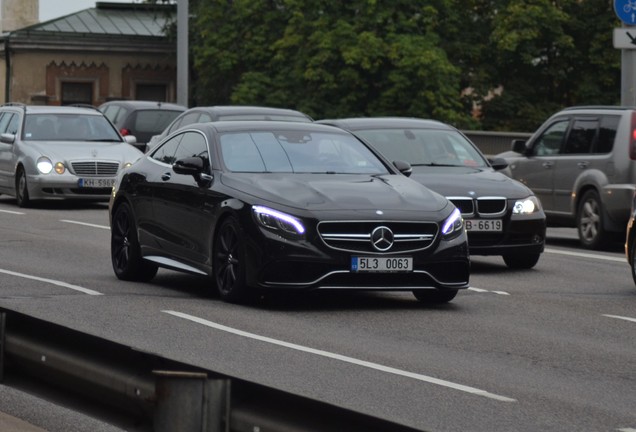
[356, 123]
[599, 107]
[263, 125]
[248, 109]
[144, 104]
[56, 109]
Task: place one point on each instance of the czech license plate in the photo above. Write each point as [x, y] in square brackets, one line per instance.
[381, 264]
[483, 224]
[96, 182]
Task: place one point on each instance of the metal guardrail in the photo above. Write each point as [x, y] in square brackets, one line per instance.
[492, 143]
[164, 394]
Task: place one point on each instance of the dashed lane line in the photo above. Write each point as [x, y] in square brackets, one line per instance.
[585, 255]
[52, 281]
[481, 290]
[85, 224]
[342, 358]
[621, 318]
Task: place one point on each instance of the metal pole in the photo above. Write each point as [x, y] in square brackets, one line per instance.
[182, 53]
[628, 77]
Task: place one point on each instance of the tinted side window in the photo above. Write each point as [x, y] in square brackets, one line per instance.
[193, 144]
[189, 119]
[582, 136]
[606, 134]
[549, 143]
[4, 122]
[166, 152]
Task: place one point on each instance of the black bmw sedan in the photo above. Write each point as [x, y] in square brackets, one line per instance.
[502, 216]
[270, 206]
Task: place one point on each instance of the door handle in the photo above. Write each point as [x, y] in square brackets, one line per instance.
[166, 176]
[547, 164]
[582, 165]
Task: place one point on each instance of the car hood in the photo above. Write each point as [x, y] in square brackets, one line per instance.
[317, 192]
[460, 181]
[68, 151]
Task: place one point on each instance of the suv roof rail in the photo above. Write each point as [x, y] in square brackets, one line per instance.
[18, 104]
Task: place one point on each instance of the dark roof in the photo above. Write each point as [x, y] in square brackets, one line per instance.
[115, 19]
[385, 122]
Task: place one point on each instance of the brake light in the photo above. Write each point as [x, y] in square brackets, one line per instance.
[124, 131]
[632, 138]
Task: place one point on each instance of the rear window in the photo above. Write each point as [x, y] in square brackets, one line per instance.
[154, 121]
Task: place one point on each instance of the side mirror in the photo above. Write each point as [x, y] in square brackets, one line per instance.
[519, 146]
[7, 138]
[498, 163]
[194, 166]
[403, 167]
[189, 166]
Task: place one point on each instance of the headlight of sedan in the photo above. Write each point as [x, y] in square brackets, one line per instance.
[526, 206]
[278, 221]
[453, 225]
[44, 165]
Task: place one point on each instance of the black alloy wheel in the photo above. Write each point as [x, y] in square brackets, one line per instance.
[521, 261]
[125, 251]
[589, 221]
[21, 189]
[229, 263]
[435, 296]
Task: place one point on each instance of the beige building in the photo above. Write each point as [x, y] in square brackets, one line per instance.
[112, 51]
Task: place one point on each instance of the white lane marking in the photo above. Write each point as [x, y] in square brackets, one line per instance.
[343, 358]
[12, 212]
[626, 430]
[51, 281]
[481, 290]
[585, 255]
[85, 224]
[621, 318]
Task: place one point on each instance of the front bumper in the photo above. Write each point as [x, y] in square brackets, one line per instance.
[43, 187]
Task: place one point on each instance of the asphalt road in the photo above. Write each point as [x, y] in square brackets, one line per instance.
[550, 349]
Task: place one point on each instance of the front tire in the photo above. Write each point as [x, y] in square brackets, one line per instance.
[229, 263]
[521, 261]
[589, 221]
[21, 189]
[125, 251]
[435, 296]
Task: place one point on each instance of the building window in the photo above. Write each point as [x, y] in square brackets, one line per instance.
[77, 93]
[151, 92]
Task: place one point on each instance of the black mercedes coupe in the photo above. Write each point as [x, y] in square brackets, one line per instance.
[262, 206]
[502, 216]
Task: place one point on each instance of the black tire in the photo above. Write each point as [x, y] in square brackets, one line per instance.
[229, 263]
[589, 221]
[521, 261]
[125, 251]
[435, 296]
[21, 189]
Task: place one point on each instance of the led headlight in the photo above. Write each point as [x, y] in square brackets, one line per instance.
[453, 225]
[44, 165]
[526, 206]
[277, 221]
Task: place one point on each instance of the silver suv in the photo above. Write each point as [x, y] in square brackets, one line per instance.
[581, 163]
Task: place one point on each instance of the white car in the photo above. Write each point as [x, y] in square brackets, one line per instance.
[60, 152]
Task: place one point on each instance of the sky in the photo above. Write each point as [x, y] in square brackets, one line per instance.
[50, 9]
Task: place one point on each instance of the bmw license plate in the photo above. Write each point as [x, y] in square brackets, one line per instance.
[96, 182]
[483, 224]
[381, 264]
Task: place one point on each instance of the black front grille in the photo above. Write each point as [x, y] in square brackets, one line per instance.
[95, 168]
[484, 206]
[355, 236]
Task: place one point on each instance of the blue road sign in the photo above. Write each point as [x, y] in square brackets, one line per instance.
[626, 11]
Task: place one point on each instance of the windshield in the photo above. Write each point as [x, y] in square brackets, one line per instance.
[68, 127]
[298, 152]
[431, 147]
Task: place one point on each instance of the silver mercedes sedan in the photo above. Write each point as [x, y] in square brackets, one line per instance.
[60, 152]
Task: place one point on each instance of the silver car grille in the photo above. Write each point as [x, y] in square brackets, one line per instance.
[95, 168]
[358, 236]
[482, 206]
